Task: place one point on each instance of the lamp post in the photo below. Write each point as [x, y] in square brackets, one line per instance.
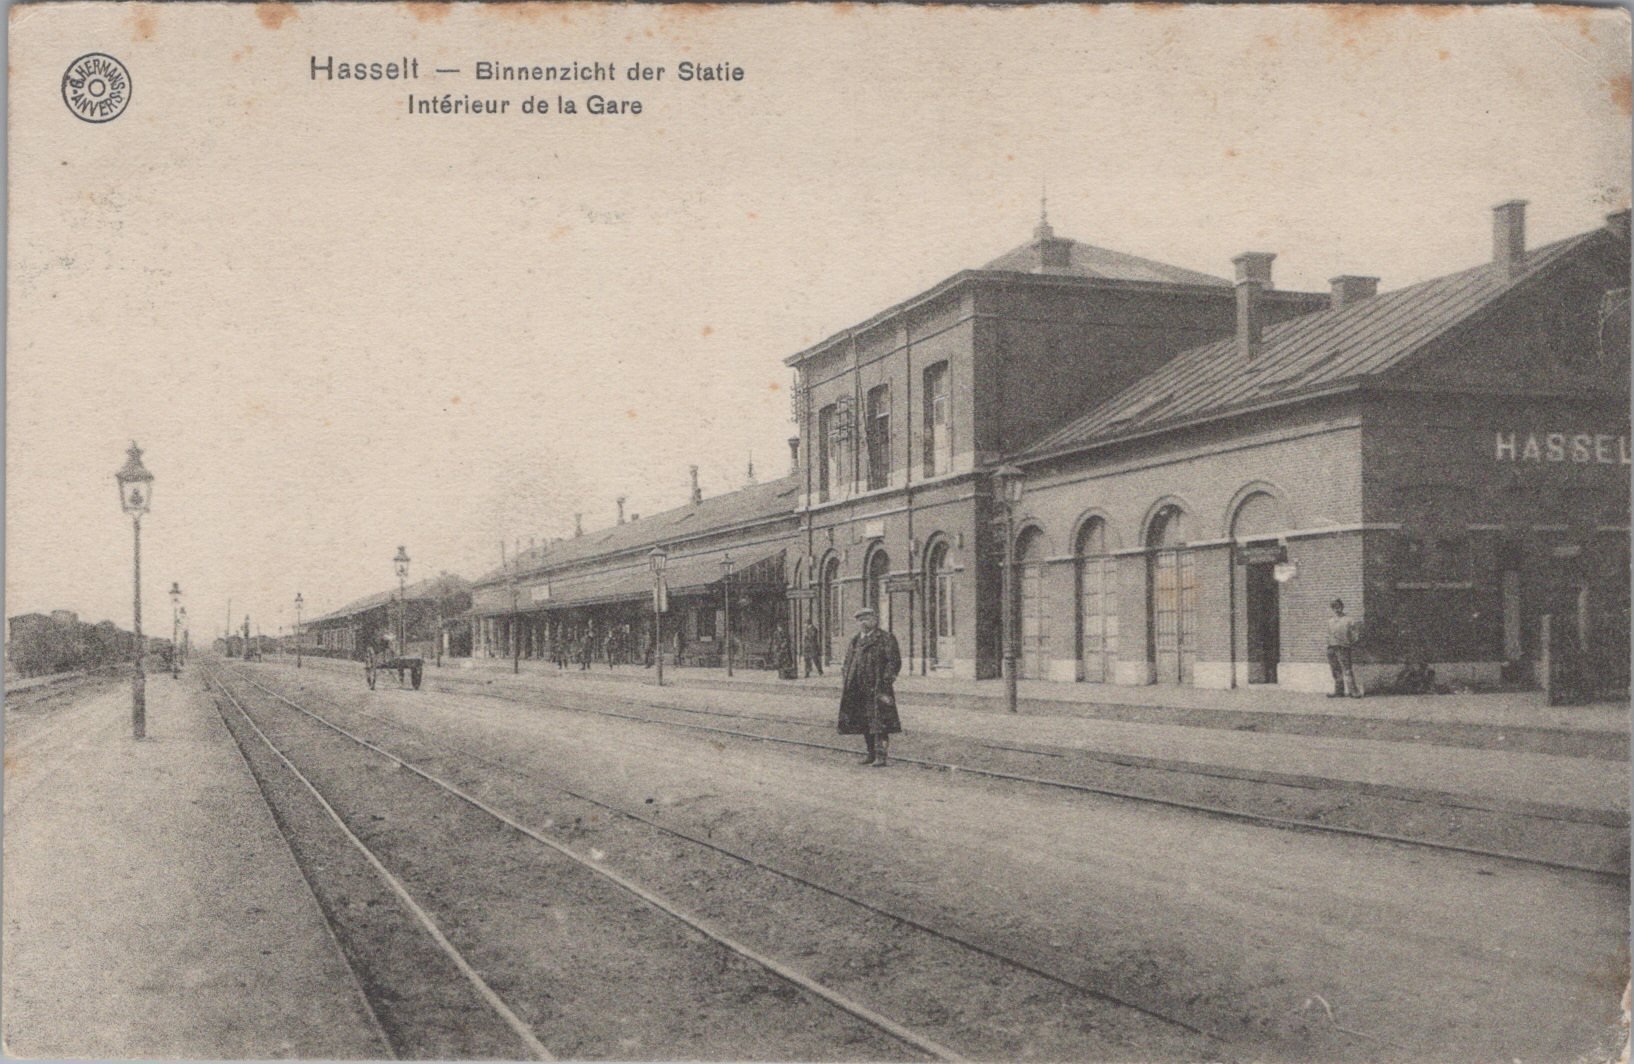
[299, 602]
[135, 496]
[658, 557]
[401, 564]
[726, 594]
[183, 648]
[1009, 482]
[175, 628]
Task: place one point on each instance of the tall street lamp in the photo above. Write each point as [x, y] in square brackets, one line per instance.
[401, 564]
[726, 594]
[183, 648]
[135, 496]
[1009, 482]
[299, 602]
[658, 557]
[175, 628]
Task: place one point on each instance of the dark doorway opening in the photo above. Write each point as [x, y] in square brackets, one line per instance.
[1264, 627]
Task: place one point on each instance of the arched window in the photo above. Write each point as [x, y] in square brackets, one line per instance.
[873, 586]
[1029, 579]
[833, 605]
[1097, 603]
[1171, 594]
[939, 594]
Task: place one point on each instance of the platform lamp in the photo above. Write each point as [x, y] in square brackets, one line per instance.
[1009, 483]
[726, 594]
[401, 564]
[659, 557]
[183, 648]
[175, 627]
[299, 602]
[135, 496]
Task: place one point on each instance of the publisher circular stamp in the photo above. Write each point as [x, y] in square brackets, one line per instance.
[96, 87]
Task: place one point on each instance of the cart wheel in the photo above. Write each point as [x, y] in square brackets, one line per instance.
[415, 677]
[368, 674]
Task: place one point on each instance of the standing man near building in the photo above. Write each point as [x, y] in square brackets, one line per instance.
[868, 699]
[1342, 637]
[811, 647]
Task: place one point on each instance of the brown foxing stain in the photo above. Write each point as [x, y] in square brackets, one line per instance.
[429, 11]
[752, 215]
[1442, 54]
[454, 401]
[1231, 153]
[144, 20]
[774, 386]
[631, 414]
[274, 15]
[707, 331]
[1620, 90]
[1581, 17]
[514, 12]
[560, 231]
[239, 55]
[1270, 40]
[12, 764]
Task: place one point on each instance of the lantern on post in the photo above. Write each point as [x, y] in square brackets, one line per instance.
[1009, 482]
[135, 497]
[658, 557]
[401, 563]
[175, 627]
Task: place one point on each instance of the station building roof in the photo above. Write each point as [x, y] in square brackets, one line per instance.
[746, 506]
[1312, 354]
[440, 586]
[1045, 256]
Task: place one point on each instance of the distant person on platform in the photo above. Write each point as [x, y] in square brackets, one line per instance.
[1343, 634]
[811, 645]
[782, 653]
[868, 700]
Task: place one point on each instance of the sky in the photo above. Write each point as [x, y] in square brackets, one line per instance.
[335, 326]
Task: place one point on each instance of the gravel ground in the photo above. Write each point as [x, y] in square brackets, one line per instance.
[1283, 945]
[1597, 839]
[596, 973]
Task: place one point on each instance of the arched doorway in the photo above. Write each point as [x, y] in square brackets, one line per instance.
[1097, 594]
[939, 595]
[1032, 631]
[832, 606]
[1259, 612]
[874, 592]
[1171, 595]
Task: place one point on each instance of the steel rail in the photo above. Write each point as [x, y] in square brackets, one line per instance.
[517, 1025]
[794, 877]
[312, 891]
[833, 997]
[1286, 823]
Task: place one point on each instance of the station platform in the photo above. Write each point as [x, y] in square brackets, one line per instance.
[152, 909]
[1595, 787]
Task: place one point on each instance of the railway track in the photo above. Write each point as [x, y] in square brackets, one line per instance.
[906, 1037]
[1615, 870]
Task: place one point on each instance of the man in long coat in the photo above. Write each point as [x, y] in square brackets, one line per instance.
[868, 701]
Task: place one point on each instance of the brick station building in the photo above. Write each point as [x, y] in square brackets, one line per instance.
[1208, 462]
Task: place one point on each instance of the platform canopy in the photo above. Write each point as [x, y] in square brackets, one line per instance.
[688, 574]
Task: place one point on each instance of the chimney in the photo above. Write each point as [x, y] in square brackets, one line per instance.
[1348, 289]
[1253, 281]
[794, 455]
[751, 474]
[578, 525]
[1509, 238]
[621, 509]
[697, 492]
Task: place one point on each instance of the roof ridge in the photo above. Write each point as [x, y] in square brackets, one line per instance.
[1378, 323]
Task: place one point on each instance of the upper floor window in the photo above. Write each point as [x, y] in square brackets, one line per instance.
[938, 430]
[825, 449]
[879, 436]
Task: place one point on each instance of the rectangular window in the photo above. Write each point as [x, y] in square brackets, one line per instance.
[825, 454]
[879, 437]
[938, 431]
